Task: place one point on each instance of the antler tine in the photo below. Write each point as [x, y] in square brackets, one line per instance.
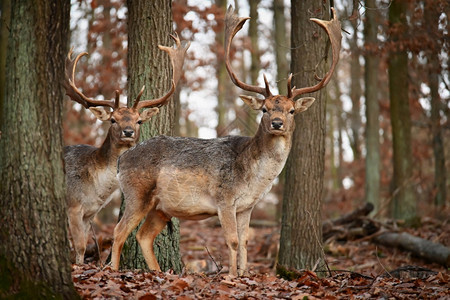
[333, 29]
[73, 92]
[232, 25]
[177, 56]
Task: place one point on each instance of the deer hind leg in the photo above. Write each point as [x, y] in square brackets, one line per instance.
[132, 215]
[78, 232]
[227, 218]
[153, 225]
[243, 224]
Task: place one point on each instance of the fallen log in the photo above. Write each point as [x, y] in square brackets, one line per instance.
[433, 252]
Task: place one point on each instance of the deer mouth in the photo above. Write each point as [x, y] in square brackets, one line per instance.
[127, 139]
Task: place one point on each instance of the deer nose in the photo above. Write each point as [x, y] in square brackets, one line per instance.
[128, 132]
[277, 123]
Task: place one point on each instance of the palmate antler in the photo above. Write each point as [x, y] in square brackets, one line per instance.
[74, 93]
[177, 56]
[233, 24]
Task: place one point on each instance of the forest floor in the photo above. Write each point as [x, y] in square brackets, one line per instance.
[357, 269]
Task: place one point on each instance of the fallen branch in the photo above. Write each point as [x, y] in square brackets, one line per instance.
[434, 252]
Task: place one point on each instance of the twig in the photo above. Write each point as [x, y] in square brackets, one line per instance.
[376, 253]
[96, 245]
[219, 268]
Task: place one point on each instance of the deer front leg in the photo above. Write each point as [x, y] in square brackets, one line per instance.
[78, 232]
[227, 218]
[153, 225]
[243, 224]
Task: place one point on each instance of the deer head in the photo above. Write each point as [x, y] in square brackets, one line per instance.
[125, 121]
[279, 110]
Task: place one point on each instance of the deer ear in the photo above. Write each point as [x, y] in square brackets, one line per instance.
[100, 113]
[253, 102]
[148, 113]
[303, 104]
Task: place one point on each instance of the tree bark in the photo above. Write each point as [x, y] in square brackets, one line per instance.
[149, 25]
[373, 161]
[5, 8]
[403, 205]
[34, 248]
[301, 228]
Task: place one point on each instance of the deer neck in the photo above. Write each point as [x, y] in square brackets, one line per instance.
[110, 150]
[268, 152]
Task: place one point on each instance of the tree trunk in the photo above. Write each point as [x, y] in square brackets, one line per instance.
[373, 161]
[281, 45]
[301, 228]
[251, 124]
[355, 93]
[5, 9]
[221, 73]
[403, 205]
[149, 25]
[434, 69]
[34, 248]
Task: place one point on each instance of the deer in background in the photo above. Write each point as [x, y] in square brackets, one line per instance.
[91, 172]
[191, 178]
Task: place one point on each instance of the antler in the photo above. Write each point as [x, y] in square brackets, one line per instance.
[74, 93]
[177, 59]
[232, 25]
[333, 29]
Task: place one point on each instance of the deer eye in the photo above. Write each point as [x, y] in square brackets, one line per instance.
[139, 122]
[113, 121]
[264, 110]
[292, 111]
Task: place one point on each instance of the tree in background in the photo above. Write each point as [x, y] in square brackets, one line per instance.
[301, 227]
[372, 133]
[434, 44]
[149, 25]
[34, 256]
[403, 205]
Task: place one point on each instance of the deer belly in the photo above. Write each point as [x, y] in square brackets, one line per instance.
[185, 194]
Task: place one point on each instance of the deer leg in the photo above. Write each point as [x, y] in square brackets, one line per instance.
[243, 224]
[132, 215]
[153, 225]
[76, 227]
[227, 218]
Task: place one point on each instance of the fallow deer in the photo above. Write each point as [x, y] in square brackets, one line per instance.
[91, 172]
[191, 178]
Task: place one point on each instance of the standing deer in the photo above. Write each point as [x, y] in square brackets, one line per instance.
[91, 172]
[194, 179]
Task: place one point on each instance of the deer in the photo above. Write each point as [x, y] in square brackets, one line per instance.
[91, 180]
[194, 179]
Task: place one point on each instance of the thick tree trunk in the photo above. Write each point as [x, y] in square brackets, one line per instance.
[301, 228]
[373, 161]
[5, 8]
[403, 205]
[149, 25]
[34, 248]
